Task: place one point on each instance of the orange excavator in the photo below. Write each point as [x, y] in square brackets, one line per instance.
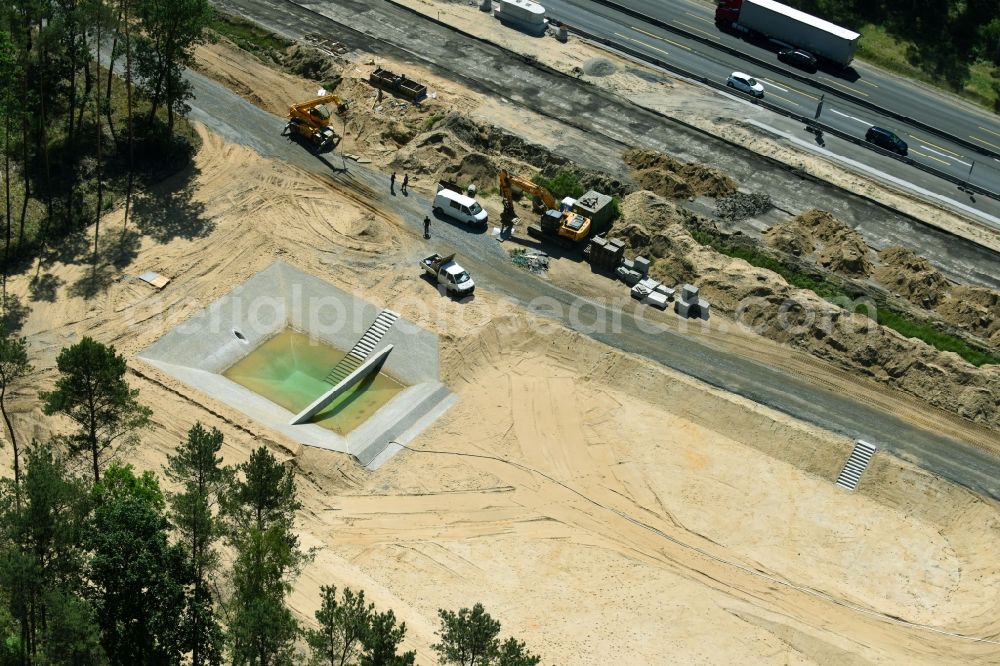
[555, 224]
[311, 120]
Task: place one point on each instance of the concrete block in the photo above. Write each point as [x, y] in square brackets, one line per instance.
[649, 283]
[622, 272]
[657, 300]
[632, 278]
[641, 264]
[629, 264]
[703, 307]
[664, 289]
[690, 293]
[681, 308]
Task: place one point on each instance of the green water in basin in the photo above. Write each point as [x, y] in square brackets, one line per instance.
[289, 370]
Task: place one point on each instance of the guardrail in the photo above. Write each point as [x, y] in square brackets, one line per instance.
[795, 75]
[810, 122]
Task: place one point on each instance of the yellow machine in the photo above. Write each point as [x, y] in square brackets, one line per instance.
[312, 120]
[566, 224]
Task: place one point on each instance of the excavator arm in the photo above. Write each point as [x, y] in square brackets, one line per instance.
[313, 112]
[508, 182]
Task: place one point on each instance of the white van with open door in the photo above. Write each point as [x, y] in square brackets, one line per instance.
[459, 207]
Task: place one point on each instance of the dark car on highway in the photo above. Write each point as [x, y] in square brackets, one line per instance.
[883, 138]
[798, 58]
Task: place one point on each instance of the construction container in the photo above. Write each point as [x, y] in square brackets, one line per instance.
[598, 207]
[398, 85]
[522, 14]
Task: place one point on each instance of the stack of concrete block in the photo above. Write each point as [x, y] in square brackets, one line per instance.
[641, 265]
[604, 254]
[690, 305]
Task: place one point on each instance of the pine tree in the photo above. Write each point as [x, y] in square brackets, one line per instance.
[92, 391]
[260, 508]
[198, 468]
[138, 577]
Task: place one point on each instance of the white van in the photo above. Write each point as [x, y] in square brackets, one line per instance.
[459, 207]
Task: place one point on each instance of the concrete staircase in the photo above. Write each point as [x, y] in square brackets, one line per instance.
[363, 347]
[856, 465]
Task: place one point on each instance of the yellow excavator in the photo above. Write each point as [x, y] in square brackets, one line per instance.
[311, 120]
[555, 224]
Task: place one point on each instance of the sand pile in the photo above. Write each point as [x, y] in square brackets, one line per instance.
[599, 67]
[838, 247]
[675, 179]
[975, 309]
[911, 276]
[763, 300]
[459, 149]
[311, 63]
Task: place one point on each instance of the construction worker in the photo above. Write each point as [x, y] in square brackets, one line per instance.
[427, 226]
[406, 181]
[392, 183]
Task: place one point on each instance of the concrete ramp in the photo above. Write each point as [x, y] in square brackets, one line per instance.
[371, 365]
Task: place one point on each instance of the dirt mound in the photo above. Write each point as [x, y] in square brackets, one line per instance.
[490, 139]
[911, 276]
[673, 178]
[599, 67]
[839, 247]
[311, 63]
[790, 238]
[474, 168]
[975, 309]
[759, 298]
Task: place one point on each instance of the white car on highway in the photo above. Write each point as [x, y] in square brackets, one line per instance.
[745, 83]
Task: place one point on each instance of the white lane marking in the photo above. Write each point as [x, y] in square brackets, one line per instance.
[863, 122]
[774, 85]
[950, 157]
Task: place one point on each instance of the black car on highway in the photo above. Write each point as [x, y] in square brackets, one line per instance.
[883, 138]
[798, 58]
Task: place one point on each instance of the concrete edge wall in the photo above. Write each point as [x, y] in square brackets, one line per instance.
[280, 296]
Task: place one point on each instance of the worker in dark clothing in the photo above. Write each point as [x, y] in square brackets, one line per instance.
[406, 181]
[392, 183]
[427, 226]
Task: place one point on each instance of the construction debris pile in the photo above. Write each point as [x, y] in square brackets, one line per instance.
[742, 206]
[530, 260]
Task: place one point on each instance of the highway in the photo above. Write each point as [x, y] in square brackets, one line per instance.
[802, 97]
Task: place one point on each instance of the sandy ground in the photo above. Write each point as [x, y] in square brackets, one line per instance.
[613, 512]
[721, 115]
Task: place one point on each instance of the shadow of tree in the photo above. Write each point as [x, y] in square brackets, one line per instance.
[44, 287]
[93, 283]
[70, 248]
[169, 211]
[13, 314]
[120, 250]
